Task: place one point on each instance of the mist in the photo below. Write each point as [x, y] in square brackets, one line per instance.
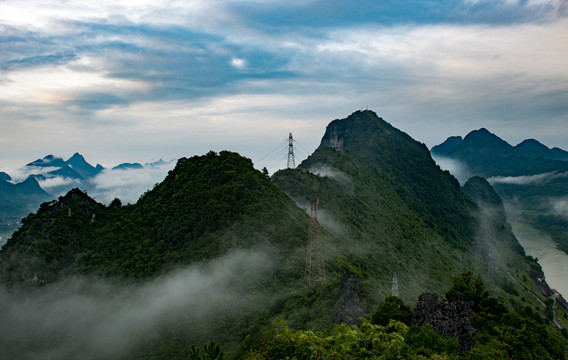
[21, 174]
[328, 171]
[127, 184]
[457, 168]
[90, 318]
[559, 206]
[538, 179]
[52, 185]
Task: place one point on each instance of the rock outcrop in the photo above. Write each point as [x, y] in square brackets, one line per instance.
[448, 318]
[351, 309]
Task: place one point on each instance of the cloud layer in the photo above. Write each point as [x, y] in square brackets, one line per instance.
[140, 80]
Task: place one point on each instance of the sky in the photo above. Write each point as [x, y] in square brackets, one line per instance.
[135, 81]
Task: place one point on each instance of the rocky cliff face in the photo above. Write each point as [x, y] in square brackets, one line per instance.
[351, 309]
[448, 318]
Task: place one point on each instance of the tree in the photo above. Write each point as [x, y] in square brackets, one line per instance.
[392, 309]
[469, 287]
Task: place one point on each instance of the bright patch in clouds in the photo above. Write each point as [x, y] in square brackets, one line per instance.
[60, 85]
[238, 63]
[176, 78]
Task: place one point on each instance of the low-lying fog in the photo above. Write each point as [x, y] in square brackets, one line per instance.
[86, 318]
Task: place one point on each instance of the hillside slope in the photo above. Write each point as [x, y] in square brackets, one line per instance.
[385, 207]
[389, 208]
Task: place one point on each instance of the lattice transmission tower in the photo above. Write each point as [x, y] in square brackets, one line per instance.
[315, 265]
[291, 161]
[394, 289]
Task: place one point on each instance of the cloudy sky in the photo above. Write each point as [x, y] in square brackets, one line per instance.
[138, 80]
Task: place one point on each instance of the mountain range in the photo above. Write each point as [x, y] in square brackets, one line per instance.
[383, 207]
[531, 177]
[488, 155]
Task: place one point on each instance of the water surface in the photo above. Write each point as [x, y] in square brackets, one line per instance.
[553, 261]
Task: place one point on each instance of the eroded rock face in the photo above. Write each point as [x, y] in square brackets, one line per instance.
[448, 318]
[351, 309]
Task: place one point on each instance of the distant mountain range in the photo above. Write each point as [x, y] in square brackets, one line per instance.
[531, 176]
[18, 199]
[488, 155]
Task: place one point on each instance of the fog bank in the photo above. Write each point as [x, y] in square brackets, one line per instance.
[86, 318]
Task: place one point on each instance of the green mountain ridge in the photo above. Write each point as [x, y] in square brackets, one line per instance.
[384, 206]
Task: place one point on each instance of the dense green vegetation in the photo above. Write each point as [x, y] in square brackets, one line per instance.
[384, 207]
[389, 208]
[500, 334]
[206, 206]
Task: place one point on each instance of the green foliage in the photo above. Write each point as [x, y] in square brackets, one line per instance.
[342, 342]
[386, 207]
[425, 341]
[393, 308]
[468, 286]
[519, 337]
[206, 206]
[367, 341]
[212, 351]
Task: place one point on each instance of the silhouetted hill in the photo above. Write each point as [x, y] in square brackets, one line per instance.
[448, 146]
[488, 155]
[534, 149]
[127, 166]
[16, 200]
[78, 163]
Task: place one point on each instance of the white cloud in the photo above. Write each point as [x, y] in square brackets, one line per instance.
[539, 179]
[457, 168]
[21, 174]
[238, 63]
[57, 86]
[51, 183]
[127, 184]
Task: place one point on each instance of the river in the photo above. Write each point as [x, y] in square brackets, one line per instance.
[553, 261]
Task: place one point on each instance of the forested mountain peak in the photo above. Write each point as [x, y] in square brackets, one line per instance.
[534, 149]
[30, 186]
[206, 206]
